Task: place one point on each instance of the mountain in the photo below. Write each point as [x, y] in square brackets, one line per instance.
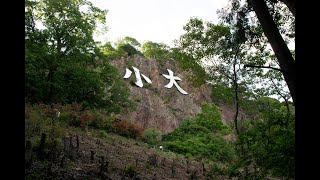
[157, 106]
[71, 152]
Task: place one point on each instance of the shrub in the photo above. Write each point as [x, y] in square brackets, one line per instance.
[152, 136]
[201, 136]
[33, 120]
[85, 118]
[100, 121]
[130, 170]
[222, 94]
[127, 129]
[269, 141]
[103, 133]
[70, 114]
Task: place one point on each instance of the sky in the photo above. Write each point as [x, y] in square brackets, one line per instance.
[159, 21]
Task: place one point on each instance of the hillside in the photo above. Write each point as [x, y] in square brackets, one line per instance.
[218, 103]
[158, 106]
[123, 159]
[67, 155]
[84, 143]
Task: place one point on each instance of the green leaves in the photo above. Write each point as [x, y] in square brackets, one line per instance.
[63, 63]
[269, 141]
[201, 136]
[158, 51]
[152, 136]
[201, 39]
[130, 40]
[127, 46]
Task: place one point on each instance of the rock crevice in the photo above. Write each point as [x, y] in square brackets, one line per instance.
[157, 106]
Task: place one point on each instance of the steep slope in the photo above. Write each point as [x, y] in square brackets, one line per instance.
[158, 106]
[122, 159]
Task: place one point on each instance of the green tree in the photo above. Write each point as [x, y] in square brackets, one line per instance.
[155, 50]
[130, 40]
[63, 63]
[196, 73]
[269, 141]
[111, 52]
[226, 50]
[128, 45]
[201, 136]
[221, 47]
[276, 25]
[152, 136]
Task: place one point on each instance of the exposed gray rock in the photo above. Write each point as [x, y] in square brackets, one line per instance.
[158, 106]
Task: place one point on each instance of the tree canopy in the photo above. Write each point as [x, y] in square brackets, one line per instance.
[244, 58]
[63, 63]
[159, 51]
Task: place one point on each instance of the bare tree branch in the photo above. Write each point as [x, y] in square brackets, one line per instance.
[268, 67]
[285, 99]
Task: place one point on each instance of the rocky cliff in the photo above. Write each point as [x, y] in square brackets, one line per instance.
[158, 106]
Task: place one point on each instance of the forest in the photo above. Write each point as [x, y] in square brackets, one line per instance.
[75, 97]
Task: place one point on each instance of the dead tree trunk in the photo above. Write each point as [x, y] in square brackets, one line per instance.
[28, 146]
[203, 168]
[62, 161]
[42, 145]
[188, 167]
[173, 170]
[92, 156]
[103, 167]
[78, 142]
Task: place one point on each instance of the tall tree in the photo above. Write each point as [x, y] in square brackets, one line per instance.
[280, 48]
[68, 32]
[220, 47]
[63, 63]
[271, 20]
[155, 50]
[128, 46]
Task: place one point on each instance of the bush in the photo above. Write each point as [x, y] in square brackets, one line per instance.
[152, 136]
[130, 170]
[102, 122]
[127, 129]
[128, 49]
[201, 136]
[103, 133]
[222, 94]
[269, 141]
[70, 115]
[33, 120]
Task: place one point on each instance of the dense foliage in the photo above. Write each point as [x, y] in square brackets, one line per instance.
[63, 63]
[41, 118]
[158, 51]
[128, 46]
[243, 72]
[202, 136]
[152, 136]
[269, 143]
[68, 72]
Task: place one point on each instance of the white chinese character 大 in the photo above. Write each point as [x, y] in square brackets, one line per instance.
[173, 81]
[138, 77]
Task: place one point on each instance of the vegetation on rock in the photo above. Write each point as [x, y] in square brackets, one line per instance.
[74, 97]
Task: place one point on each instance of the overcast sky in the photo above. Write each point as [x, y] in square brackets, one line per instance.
[155, 20]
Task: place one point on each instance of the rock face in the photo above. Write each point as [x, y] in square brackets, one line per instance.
[158, 106]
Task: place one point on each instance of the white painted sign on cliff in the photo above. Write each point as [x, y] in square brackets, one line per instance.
[173, 79]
